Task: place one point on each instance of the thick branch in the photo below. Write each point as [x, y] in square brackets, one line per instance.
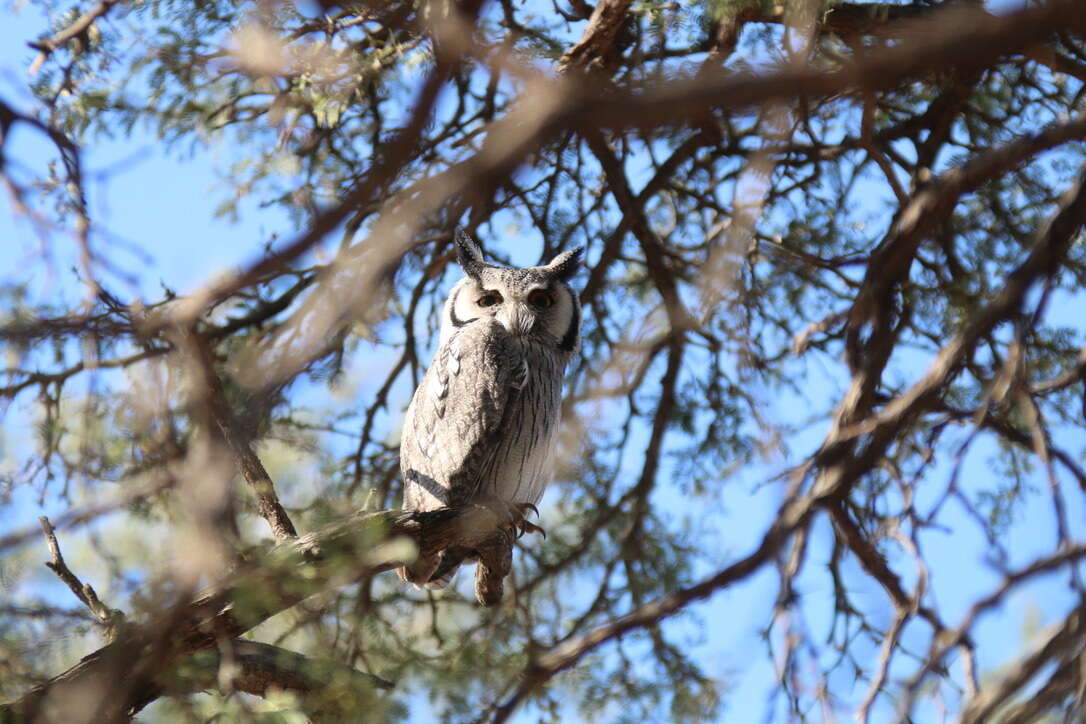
[598, 40]
[1062, 688]
[359, 545]
[327, 688]
[934, 44]
[840, 463]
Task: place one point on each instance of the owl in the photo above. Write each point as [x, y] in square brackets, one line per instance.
[483, 423]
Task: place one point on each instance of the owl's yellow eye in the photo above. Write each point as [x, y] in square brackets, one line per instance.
[540, 299]
[489, 299]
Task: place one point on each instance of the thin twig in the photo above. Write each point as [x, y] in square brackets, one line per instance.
[46, 47]
[107, 616]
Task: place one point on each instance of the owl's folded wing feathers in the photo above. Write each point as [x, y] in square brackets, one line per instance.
[457, 414]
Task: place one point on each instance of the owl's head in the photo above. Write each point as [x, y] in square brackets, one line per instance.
[534, 302]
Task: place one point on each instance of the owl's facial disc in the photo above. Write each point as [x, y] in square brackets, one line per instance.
[531, 302]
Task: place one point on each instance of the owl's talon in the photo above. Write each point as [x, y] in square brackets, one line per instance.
[520, 521]
[526, 527]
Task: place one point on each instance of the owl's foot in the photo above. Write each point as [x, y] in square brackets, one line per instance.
[495, 562]
[495, 558]
[420, 571]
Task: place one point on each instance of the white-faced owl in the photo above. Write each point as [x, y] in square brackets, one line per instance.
[483, 423]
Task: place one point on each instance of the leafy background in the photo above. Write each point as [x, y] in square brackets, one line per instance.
[212, 133]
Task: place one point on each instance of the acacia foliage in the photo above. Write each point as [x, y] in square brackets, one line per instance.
[831, 248]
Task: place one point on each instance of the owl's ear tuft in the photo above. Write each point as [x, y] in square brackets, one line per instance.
[565, 264]
[468, 254]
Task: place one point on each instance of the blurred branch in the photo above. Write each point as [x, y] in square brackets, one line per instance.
[1065, 687]
[46, 47]
[326, 688]
[591, 53]
[1065, 646]
[934, 45]
[863, 18]
[359, 545]
[198, 354]
[87, 513]
[73, 166]
[395, 154]
[44, 379]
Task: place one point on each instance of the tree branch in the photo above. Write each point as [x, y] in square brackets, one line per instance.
[327, 688]
[1064, 645]
[1044, 259]
[214, 400]
[545, 666]
[46, 47]
[597, 43]
[359, 545]
[108, 617]
[933, 44]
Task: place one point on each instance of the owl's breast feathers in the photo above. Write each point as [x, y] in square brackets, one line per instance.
[483, 421]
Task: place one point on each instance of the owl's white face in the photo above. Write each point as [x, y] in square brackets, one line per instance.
[534, 303]
[538, 308]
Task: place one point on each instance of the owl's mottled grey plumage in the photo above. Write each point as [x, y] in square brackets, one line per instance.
[484, 421]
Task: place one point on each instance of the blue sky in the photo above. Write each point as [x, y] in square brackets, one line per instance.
[163, 201]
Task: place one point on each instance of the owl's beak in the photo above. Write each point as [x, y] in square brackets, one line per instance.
[516, 318]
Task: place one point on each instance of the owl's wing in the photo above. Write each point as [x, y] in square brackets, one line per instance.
[457, 415]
